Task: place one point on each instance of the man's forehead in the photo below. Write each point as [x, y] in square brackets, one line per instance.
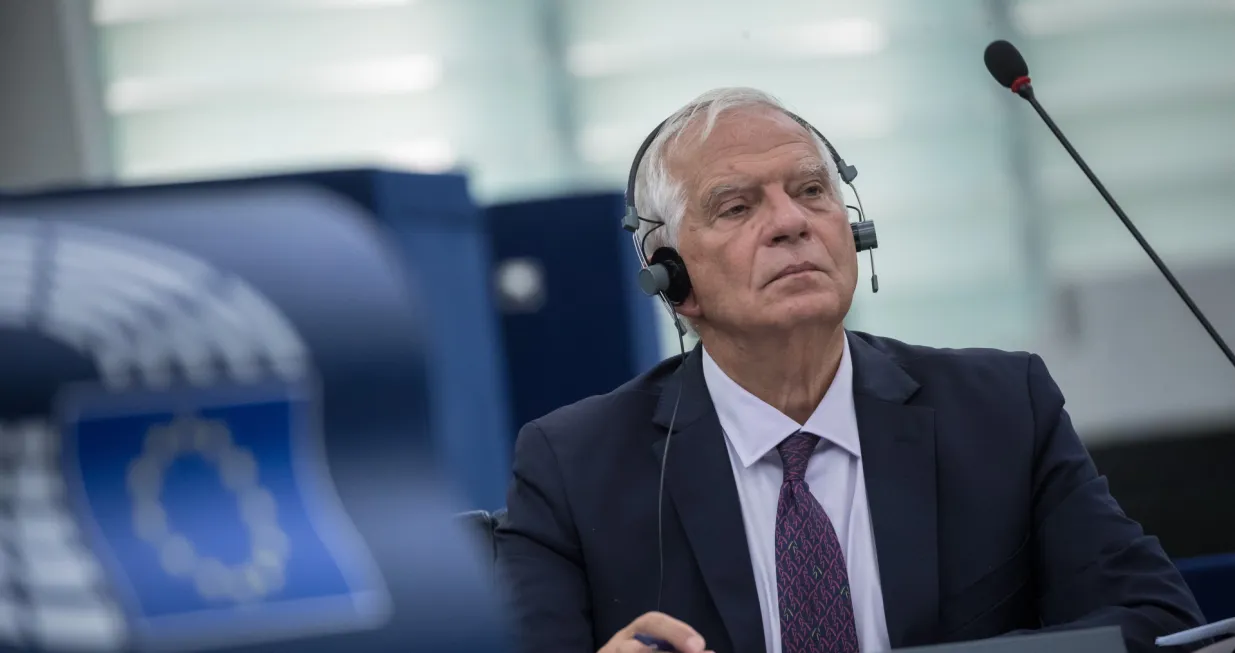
[742, 134]
[736, 127]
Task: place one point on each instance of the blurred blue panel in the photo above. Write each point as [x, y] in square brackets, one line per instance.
[1212, 581]
[438, 235]
[575, 322]
[215, 413]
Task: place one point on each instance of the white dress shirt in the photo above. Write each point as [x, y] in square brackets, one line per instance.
[752, 431]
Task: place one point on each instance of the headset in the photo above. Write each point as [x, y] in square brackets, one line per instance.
[665, 275]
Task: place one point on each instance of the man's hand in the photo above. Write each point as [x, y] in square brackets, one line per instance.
[658, 625]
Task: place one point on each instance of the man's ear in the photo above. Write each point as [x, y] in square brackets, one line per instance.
[690, 308]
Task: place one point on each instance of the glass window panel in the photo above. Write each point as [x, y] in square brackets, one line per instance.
[226, 88]
[1143, 87]
[1146, 93]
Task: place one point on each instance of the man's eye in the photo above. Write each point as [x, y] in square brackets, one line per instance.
[813, 190]
[733, 211]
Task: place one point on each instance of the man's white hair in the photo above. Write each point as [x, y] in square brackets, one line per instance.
[659, 197]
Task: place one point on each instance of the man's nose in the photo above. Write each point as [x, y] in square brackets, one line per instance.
[788, 219]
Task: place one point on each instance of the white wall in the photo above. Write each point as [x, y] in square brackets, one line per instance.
[1132, 360]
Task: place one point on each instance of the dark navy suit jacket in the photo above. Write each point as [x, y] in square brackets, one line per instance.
[989, 516]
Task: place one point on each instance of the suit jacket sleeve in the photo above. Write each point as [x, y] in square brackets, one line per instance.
[1094, 565]
[539, 556]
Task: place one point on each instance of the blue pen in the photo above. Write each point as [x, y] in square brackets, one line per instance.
[655, 643]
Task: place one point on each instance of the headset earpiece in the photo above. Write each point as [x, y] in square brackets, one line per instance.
[864, 235]
[666, 274]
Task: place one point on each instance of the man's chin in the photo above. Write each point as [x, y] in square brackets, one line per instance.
[806, 309]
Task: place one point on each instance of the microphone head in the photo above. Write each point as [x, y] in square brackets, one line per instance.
[1005, 63]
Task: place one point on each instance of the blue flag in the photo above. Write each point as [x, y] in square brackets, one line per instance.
[214, 513]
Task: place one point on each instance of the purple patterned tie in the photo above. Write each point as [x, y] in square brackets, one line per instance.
[816, 611]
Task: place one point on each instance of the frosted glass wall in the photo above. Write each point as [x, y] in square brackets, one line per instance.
[225, 87]
[1146, 92]
[978, 209]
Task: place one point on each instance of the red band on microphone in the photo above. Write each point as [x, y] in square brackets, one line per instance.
[1021, 82]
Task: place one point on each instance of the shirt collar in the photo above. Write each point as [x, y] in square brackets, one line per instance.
[754, 428]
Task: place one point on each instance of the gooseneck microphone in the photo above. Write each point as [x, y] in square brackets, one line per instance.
[1008, 68]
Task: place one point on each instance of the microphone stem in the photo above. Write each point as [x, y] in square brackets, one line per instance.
[1123, 217]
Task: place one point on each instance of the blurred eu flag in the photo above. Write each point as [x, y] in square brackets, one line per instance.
[216, 516]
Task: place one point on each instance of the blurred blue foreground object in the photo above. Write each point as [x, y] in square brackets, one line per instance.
[437, 246]
[214, 431]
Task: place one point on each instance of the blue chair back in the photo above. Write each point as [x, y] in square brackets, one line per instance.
[574, 321]
[1212, 581]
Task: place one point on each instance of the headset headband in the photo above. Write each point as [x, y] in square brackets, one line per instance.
[631, 221]
[665, 274]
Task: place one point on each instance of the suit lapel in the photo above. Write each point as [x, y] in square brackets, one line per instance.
[898, 459]
[699, 482]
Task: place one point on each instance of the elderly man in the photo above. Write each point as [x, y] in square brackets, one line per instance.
[823, 489]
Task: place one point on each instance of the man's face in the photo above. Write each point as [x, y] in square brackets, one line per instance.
[766, 240]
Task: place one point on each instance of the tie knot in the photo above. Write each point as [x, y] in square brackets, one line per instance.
[795, 452]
